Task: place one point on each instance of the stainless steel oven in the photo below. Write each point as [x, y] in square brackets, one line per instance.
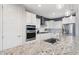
[30, 32]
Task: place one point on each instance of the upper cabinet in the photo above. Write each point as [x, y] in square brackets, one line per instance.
[68, 20]
[33, 18]
[54, 24]
[38, 22]
[30, 18]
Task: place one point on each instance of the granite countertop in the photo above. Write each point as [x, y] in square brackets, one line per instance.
[40, 47]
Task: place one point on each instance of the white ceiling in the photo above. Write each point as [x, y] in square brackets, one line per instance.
[49, 10]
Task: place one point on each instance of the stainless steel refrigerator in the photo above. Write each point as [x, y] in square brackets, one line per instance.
[69, 29]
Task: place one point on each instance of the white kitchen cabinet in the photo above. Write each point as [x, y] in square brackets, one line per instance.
[33, 18]
[23, 21]
[30, 18]
[0, 27]
[21, 24]
[12, 26]
[54, 24]
[38, 23]
[68, 20]
[45, 36]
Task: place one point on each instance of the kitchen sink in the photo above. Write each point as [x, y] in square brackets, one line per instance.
[52, 40]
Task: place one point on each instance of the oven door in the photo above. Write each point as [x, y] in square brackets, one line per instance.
[30, 33]
[31, 36]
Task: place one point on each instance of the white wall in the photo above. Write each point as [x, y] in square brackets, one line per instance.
[0, 27]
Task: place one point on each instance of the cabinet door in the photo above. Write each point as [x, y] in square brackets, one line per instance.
[33, 19]
[37, 22]
[28, 18]
[10, 26]
[20, 24]
[0, 27]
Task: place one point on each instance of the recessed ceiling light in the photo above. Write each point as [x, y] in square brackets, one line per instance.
[59, 6]
[67, 13]
[39, 5]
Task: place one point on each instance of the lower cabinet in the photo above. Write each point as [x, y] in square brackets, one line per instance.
[44, 36]
[47, 36]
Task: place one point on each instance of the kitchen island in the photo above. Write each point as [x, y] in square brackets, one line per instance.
[47, 35]
[41, 47]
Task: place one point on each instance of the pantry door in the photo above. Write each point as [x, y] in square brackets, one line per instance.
[0, 27]
[10, 26]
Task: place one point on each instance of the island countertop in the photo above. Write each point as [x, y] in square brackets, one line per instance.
[40, 47]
